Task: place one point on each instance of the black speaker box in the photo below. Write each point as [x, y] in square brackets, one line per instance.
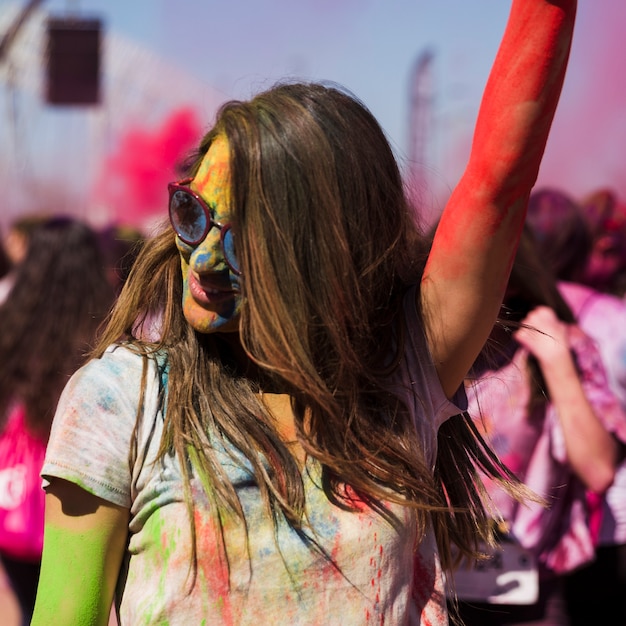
[73, 61]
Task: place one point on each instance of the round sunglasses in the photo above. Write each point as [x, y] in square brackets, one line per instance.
[191, 220]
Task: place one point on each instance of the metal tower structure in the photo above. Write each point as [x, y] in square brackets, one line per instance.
[421, 100]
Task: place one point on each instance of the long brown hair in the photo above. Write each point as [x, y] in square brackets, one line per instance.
[328, 246]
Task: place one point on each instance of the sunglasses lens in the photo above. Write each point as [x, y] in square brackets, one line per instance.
[188, 217]
[228, 244]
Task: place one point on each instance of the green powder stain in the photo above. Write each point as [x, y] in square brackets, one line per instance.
[78, 595]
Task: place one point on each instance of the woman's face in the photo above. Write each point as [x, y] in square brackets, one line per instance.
[211, 293]
[605, 263]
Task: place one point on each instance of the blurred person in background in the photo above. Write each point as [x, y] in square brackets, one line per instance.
[12, 251]
[5, 262]
[120, 244]
[15, 244]
[542, 400]
[18, 236]
[8, 603]
[605, 269]
[59, 297]
[596, 593]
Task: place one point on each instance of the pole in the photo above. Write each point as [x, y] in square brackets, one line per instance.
[11, 33]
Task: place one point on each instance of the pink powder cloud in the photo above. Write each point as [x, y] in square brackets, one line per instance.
[132, 183]
[587, 147]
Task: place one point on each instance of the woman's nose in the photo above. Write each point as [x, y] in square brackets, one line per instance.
[207, 256]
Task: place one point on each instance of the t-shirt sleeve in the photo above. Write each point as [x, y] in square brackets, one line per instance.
[419, 382]
[420, 362]
[91, 435]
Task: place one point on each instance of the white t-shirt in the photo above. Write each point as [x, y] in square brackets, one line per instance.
[376, 574]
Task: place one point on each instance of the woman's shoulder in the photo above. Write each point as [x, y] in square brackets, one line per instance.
[589, 304]
[120, 365]
[109, 390]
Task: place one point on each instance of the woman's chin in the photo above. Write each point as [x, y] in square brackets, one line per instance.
[205, 321]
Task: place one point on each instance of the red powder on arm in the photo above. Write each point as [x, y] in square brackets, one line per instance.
[477, 237]
[515, 116]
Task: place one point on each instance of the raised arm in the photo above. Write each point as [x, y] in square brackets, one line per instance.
[477, 236]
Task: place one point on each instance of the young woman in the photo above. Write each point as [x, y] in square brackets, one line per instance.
[268, 452]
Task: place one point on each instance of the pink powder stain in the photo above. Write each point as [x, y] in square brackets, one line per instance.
[329, 572]
[132, 183]
[376, 581]
[353, 499]
[214, 571]
[423, 582]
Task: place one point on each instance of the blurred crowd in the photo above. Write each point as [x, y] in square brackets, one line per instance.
[59, 279]
[549, 393]
[559, 423]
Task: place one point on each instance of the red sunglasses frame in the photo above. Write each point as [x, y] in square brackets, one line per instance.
[183, 186]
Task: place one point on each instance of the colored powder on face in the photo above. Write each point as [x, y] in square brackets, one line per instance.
[132, 183]
[213, 176]
[205, 261]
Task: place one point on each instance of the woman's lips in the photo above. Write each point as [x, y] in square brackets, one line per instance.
[207, 292]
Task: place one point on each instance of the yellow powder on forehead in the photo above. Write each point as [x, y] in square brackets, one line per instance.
[214, 169]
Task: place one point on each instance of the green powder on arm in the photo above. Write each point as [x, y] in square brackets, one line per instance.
[72, 588]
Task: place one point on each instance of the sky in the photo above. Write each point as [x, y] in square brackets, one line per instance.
[177, 60]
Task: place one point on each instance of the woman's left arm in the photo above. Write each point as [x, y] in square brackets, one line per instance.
[477, 237]
[84, 543]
